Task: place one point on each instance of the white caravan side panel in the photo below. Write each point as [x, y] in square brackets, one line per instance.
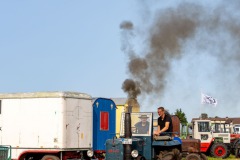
[32, 123]
[59, 121]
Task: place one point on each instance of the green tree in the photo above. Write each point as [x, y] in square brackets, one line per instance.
[182, 117]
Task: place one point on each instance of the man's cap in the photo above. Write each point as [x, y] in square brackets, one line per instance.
[143, 116]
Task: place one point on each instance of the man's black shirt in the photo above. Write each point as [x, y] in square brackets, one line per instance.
[161, 123]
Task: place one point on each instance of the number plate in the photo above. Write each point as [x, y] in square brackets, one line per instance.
[126, 141]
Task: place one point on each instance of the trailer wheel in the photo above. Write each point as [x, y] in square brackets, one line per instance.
[193, 156]
[50, 157]
[219, 150]
[203, 156]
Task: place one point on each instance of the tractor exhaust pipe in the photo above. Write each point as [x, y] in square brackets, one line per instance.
[128, 134]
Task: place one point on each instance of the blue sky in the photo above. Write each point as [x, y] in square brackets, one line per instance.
[76, 45]
[63, 46]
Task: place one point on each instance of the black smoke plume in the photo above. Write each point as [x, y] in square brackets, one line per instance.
[172, 31]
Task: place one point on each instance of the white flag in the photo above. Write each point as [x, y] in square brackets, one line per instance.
[208, 100]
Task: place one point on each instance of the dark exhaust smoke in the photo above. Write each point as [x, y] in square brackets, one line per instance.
[186, 31]
[131, 87]
[170, 29]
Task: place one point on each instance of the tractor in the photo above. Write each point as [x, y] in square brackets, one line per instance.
[217, 145]
[140, 144]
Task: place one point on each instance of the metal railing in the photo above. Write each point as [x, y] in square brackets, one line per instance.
[5, 152]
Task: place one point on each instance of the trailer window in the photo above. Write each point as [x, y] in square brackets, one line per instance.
[104, 121]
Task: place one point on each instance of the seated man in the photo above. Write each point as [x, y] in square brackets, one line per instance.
[164, 123]
[142, 127]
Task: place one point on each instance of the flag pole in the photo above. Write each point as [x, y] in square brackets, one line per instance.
[201, 104]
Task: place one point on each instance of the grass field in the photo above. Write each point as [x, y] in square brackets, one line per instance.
[230, 157]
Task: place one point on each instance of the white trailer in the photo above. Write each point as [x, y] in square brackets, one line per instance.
[46, 125]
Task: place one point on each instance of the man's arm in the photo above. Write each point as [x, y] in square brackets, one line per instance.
[165, 128]
[157, 132]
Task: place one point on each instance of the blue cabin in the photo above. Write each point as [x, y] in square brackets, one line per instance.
[104, 122]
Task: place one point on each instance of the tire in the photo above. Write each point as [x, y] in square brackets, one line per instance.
[203, 156]
[173, 155]
[193, 156]
[165, 155]
[177, 154]
[180, 156]
[50, 157]
[168, 156]
[237, 155]
[141, 158]
[219, 150]
[234, 146]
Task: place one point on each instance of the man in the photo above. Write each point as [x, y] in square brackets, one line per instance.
[142, 127]
[164, 123]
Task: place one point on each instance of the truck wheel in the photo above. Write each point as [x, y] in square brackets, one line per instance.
[203, 156]
[219, 150]
[193, 156]
[50, 157]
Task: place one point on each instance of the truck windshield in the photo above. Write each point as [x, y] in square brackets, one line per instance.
[141, 124]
